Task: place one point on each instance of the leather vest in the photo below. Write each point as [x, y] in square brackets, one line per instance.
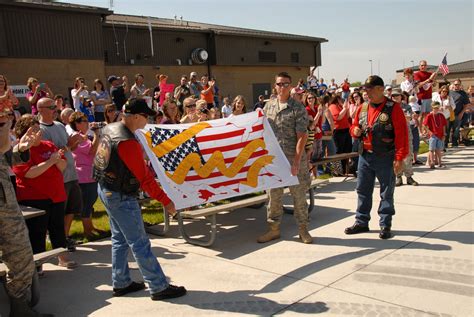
[383, 134]
[109, 170]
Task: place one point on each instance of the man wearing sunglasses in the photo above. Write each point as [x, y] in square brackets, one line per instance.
[289, 121]
[121, 171]
[381, 127]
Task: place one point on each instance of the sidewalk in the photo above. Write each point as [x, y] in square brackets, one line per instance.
[425, 270]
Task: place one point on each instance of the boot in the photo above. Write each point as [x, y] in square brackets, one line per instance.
[272, 234]
[19, 308]
[304, 234]
[399, 181]
[411, 181]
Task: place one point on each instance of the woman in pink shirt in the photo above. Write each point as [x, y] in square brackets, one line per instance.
[84, 157]
[37, 91]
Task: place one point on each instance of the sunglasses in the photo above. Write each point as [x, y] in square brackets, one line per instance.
[82, 121]
[191, 106]
[286, 85]
[144, 115]
[310, 98]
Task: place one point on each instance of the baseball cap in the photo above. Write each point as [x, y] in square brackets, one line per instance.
[388, 87]
[193, 74]
[396, 91]
[138, 105]
[112, 78]
[373, 81]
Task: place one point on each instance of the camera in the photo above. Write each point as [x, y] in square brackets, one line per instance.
[97, 125]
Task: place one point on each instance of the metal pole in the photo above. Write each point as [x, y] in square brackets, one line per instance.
[371, 72]
[412, 64]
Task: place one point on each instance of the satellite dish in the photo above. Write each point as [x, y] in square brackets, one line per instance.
[199, 55]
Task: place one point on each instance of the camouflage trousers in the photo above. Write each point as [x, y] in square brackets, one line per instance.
[298, 193]
[15, 247]
[408, 161]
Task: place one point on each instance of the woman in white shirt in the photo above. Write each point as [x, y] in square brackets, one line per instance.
[79, 93]
[447, 107]
[409, 85]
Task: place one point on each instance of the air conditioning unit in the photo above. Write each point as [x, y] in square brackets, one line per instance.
[199, 56]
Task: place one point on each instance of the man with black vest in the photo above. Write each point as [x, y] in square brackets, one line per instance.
[121, 171]
[381, 126]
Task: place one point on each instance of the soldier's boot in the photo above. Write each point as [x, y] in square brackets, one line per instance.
[399, 181]
[19, 307]
[411, 181]
[272, 234]
[304, 234]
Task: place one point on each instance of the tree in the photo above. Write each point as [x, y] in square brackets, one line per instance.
[356, 84]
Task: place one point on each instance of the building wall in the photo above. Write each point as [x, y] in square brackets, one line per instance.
[42, 33]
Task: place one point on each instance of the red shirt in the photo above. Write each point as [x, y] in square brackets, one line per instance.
[399, 125]
[346, 87]
[209, 97]
[49, 185]
[319, 124]
[140, 170]
[421, 76]
[342, 123]
[436, 124]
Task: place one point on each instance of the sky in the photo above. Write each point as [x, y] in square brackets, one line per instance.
[391, 33]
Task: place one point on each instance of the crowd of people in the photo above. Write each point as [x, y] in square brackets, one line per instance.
[61, 174]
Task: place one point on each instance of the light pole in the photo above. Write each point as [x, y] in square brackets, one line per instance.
[412, 64]
[371, 73]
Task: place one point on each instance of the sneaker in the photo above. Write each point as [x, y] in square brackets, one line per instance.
[71, 244]
[133, 287]
[356, 228]
[411, 181]
[418, 162]
[171, 291]
[399, 181]
[385, 233]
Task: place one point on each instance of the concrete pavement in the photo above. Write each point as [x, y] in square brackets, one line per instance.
[425, 270]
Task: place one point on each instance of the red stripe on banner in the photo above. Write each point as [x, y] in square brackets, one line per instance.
[227, 183]
[212, 137]
[227, 147]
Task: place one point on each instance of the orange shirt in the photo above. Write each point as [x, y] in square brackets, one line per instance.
[209, 97]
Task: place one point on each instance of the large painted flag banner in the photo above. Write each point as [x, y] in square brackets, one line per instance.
[202, 162]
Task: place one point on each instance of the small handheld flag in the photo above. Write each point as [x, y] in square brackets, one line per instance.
[443, 67]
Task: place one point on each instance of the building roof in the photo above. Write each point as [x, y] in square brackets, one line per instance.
[462, 67]
[178, 24]
[44, 4]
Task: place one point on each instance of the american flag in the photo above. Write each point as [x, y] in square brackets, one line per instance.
[227, 137]
[443, 67]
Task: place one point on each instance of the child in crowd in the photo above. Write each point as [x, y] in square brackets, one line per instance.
[226, 108]
[414, 126]
[435, 126]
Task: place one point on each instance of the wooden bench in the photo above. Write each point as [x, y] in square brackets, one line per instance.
[334, 158]
[39, 259]
[210, 213]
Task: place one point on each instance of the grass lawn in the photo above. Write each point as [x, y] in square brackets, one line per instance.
[152, 213]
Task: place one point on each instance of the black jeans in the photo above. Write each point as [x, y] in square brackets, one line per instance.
[52, 222]
[343, 141]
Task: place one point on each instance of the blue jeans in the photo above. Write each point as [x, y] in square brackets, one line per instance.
[127, 229]
[371, 166]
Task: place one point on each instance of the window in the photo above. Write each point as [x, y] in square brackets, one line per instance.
[295, 57]
[266, 57]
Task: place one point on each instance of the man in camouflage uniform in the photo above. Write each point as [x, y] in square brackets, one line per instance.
[15, 247]
[289, 121]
